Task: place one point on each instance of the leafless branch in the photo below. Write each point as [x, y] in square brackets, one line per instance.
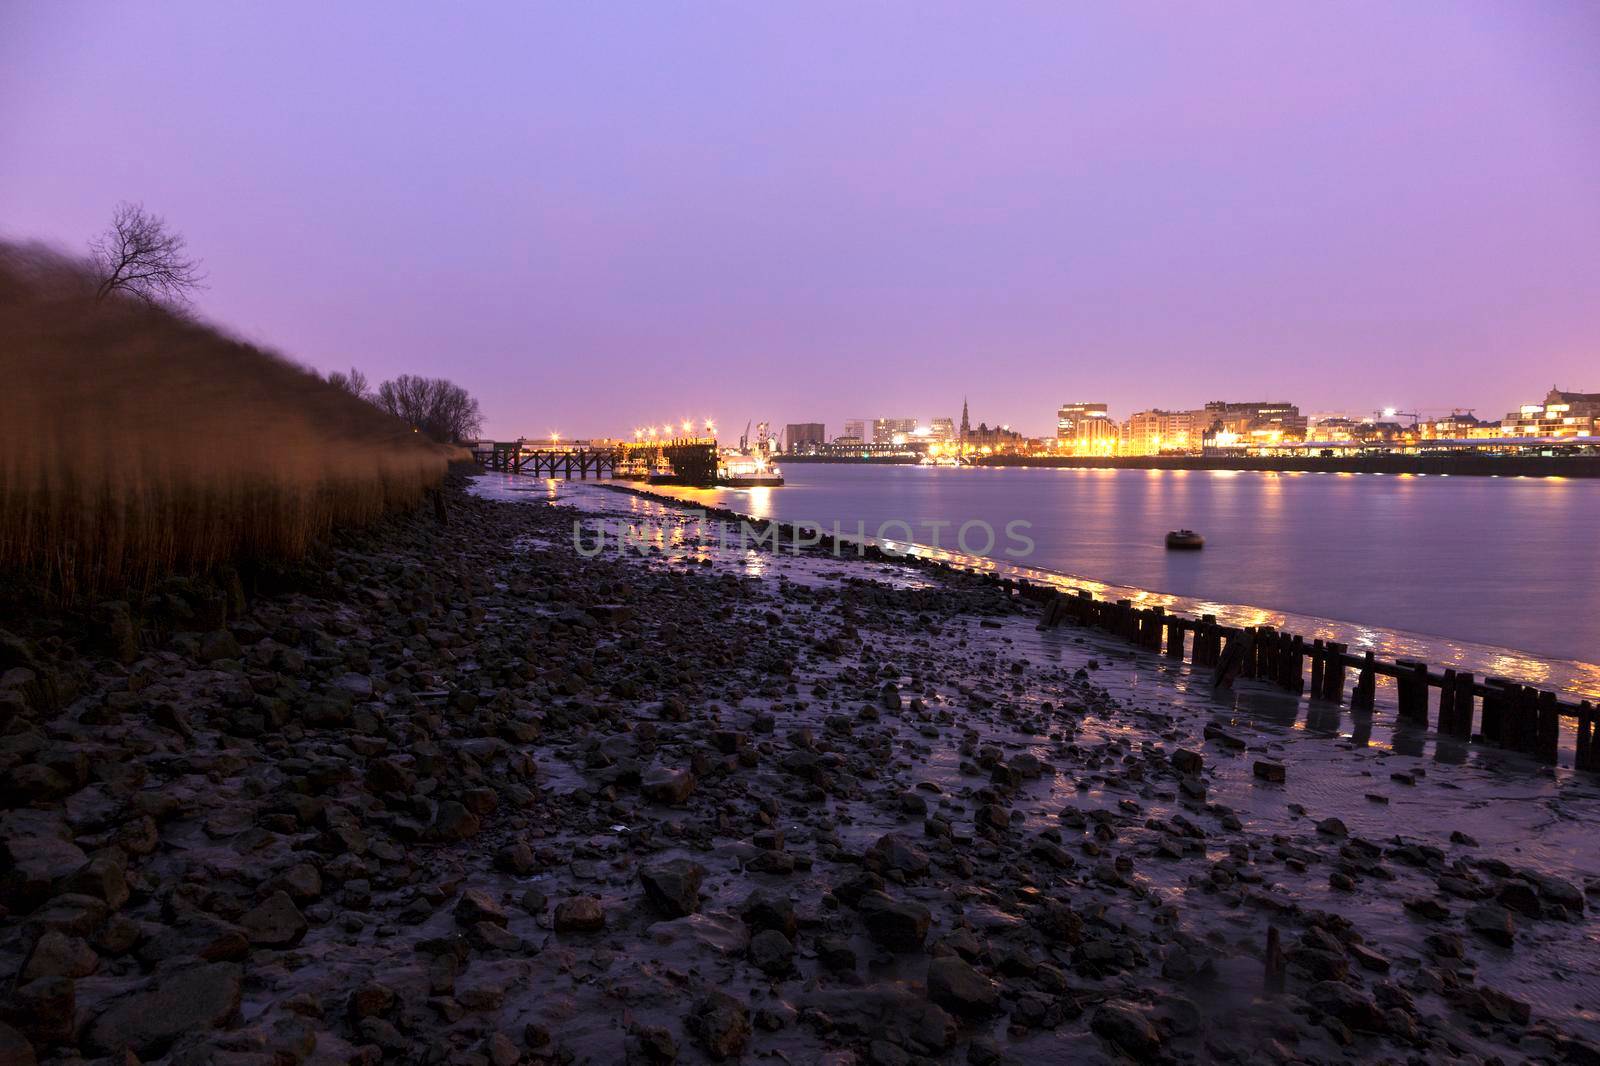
[139, 257]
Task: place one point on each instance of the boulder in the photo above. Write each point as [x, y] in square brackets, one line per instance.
[147, 1021]
[957, 987]
[673, 887]
[274, 922]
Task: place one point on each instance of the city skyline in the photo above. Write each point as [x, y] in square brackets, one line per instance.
[617, 216]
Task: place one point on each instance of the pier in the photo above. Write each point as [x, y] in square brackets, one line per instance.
[661, 461]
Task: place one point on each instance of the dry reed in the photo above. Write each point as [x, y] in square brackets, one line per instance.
[137, 443]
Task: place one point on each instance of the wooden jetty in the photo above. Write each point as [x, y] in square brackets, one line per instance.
[1493, 711]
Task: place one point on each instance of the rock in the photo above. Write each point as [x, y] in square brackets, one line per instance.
[1128, 1028]
[1332, 827]
[895, 925]
[1368, 959]
[301, 881]
[452, 822]
[369, 1000]
[892, 851]
[673, 887]
[218, 644]
[1347, 1004]
[1492, 1005]
[102, 877]
[771, 952]
[477, 905]
[275, 922]
[1274, 772]
[957, 987]
[762, 910]
[720, 1024]
[580, 914]
[889, 1012]
[1188, 762]
[36, 851]
[1492, 922]
[666, 785]
[15, 1049]
[147, 1021]
[46, 1008]
[649, 1045]
[836, 954]
[55, 954]
[198, 934]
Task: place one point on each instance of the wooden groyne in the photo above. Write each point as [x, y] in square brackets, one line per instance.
[1494, 711]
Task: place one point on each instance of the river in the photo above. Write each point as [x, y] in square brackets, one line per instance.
[1497, 575]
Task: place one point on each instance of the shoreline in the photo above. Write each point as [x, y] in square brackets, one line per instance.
[457, 793]
[1511, 663]
[1577, 466]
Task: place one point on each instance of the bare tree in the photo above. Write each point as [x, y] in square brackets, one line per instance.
[441, 409]
[355, 382]
[139, 257]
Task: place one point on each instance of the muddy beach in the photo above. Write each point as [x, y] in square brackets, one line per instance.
[463, 793]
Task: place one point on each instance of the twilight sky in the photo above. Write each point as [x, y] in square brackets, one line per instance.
[596, 215]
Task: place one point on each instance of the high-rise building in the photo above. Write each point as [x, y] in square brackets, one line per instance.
[1155, 431]
[1070, 416]
[855, 429]
[801, 436]
[884, 430]
[942, 430]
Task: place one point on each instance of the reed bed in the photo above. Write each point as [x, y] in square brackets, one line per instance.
[136, 442]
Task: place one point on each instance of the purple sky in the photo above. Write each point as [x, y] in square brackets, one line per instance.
[595, 215]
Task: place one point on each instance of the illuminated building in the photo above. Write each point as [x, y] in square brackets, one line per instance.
[884, 430]
[1069, 416]
[1155, 431]
[1563, 414]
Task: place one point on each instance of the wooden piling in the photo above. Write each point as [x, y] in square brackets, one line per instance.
[1411, 687]
[1548, 729]
[1583, 757]
[1333, 674]
[1294, 676]
[1447, 703]
[1364, 697]
[1489, 724]
[1175, 629]
[1461, 723]
[1213, 640]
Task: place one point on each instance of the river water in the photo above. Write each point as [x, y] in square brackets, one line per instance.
[1497, 575]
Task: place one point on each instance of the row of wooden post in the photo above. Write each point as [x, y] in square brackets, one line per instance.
[1514, 716]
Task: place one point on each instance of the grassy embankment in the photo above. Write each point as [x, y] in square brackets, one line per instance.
[136, 443]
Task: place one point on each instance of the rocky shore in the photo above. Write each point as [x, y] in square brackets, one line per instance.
[456, 793]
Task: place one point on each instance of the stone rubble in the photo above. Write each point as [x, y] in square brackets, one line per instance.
[461, 795]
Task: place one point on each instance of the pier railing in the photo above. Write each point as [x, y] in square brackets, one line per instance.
[1507, 714]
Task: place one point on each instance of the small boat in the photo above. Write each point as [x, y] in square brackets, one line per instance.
[1182, 539]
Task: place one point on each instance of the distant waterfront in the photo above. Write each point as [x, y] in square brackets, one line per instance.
[1494, 564]
[1458, 464]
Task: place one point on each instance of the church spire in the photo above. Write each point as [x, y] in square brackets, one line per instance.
[966, 423]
